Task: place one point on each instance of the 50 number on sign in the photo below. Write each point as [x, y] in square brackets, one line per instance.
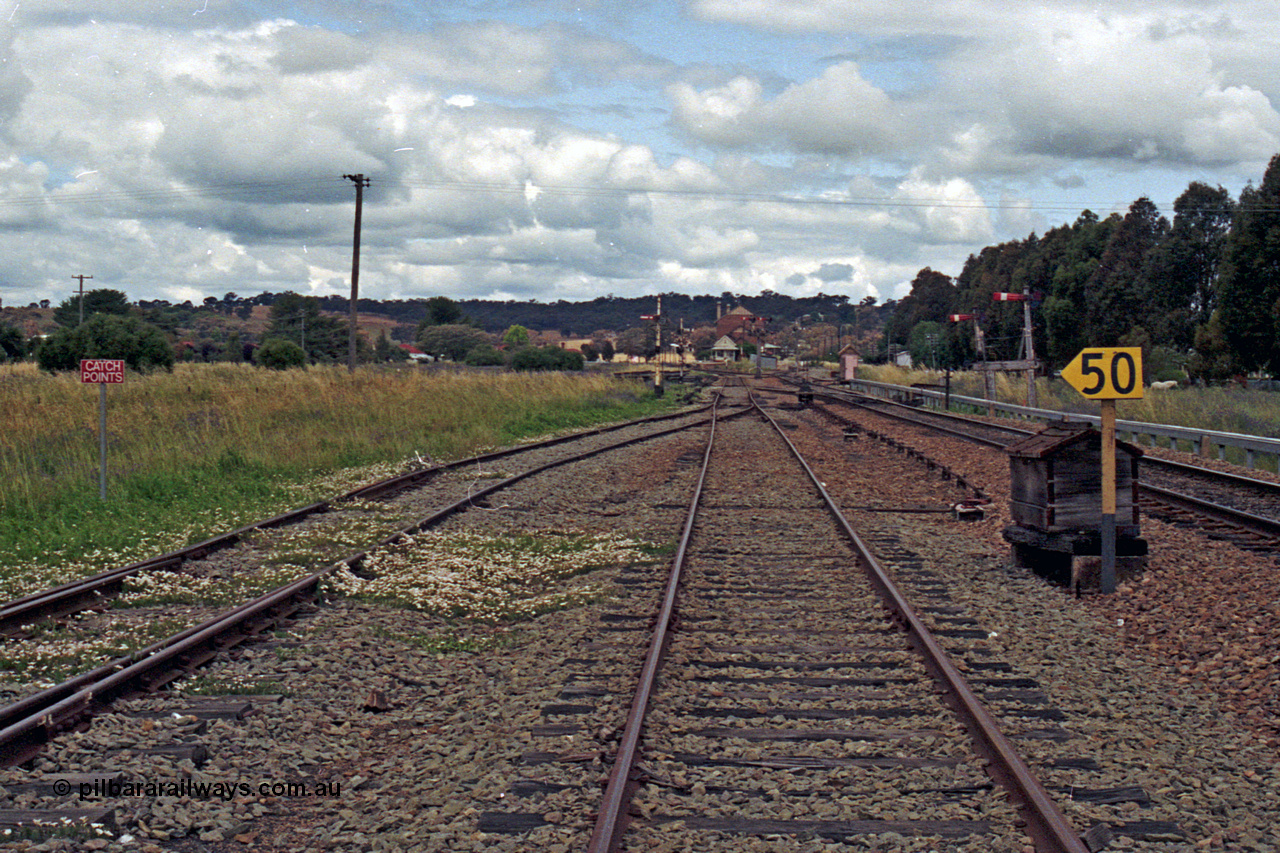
[107, 370]
[1111, 373]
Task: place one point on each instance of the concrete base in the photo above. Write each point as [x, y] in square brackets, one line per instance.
[1073, 559]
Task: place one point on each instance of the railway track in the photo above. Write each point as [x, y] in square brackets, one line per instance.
[791, 690]
[28, 724]
[1244, 510]
[796, 736]
[95, 592]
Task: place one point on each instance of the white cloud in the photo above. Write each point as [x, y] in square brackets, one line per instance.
[838, 112]
[1106, 88]
[166, 146]
[517, 61]
[949, 211]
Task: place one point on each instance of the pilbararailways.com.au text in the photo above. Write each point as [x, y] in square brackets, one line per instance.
[195, 789]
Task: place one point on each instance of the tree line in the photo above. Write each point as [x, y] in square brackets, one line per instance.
[1200, 294]
[313, 329]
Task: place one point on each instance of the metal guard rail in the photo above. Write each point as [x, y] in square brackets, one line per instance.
[1199, 439]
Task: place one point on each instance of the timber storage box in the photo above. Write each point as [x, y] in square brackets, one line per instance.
[1056, 481]
[1056, 504]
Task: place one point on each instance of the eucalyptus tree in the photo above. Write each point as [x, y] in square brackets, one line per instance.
[1249, 288]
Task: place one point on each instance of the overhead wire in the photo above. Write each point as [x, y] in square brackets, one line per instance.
[291, 188]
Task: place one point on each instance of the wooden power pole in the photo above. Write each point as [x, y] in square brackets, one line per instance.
[361, 182]
[82, 278]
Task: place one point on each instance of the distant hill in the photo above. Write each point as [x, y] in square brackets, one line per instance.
[616, 313]
[205, 327]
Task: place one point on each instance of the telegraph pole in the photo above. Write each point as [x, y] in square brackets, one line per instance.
[361, 182]
[82, 278]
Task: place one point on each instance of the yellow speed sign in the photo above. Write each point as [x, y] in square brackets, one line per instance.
[1106, 373]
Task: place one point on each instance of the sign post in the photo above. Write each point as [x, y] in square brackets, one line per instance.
[1107, 375]
[104, 371]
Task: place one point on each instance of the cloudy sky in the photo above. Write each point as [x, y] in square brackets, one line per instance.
[177, 149]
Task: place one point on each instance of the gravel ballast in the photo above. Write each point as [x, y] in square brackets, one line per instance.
[416, 723]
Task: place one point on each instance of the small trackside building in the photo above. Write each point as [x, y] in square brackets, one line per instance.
[1055, 500]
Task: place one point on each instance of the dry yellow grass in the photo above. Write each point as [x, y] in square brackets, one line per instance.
[175, 436]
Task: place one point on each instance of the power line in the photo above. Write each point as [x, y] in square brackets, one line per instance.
[259, 189]
[255, 188]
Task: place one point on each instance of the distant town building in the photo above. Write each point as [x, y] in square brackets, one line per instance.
[738, 324]
[725, 349]
[414, 353]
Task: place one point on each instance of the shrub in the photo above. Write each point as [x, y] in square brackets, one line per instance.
[484, 355]
[451, 341]
[142, 345]
[279, 354]
[12, 345]
[546, 358]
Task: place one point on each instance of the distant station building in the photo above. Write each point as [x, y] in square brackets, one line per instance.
[725, 349]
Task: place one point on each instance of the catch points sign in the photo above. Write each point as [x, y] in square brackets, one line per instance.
[102, 370]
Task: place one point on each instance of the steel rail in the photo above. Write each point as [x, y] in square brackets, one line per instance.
[606, 837]
[438, 516]
[32, 722]
[80, 594]
[840, 397]
[26, 725]
[1259, 524]
[1251, 522]
[85, 593]
[411, 478]
[1212, 474]
[844, 396]
[1045, 823]
[1251, 444]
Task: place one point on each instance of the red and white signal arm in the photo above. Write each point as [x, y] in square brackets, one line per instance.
[958, 318]
[1008, 297]
[109, 371]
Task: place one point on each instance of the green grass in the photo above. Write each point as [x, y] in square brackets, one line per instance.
[208, 685]
[212, 447]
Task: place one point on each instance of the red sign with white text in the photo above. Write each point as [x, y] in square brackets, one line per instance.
[107, 370]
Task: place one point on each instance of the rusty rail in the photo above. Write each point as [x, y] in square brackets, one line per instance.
[26, 726]
[1046, 824]
[86, 593]
[34, 721]
[621, 785]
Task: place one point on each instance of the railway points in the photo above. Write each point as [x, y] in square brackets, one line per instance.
[440, 727]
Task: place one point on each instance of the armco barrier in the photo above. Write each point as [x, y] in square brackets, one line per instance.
[1201, 441]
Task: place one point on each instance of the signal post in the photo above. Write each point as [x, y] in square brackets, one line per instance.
[1107, 375]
